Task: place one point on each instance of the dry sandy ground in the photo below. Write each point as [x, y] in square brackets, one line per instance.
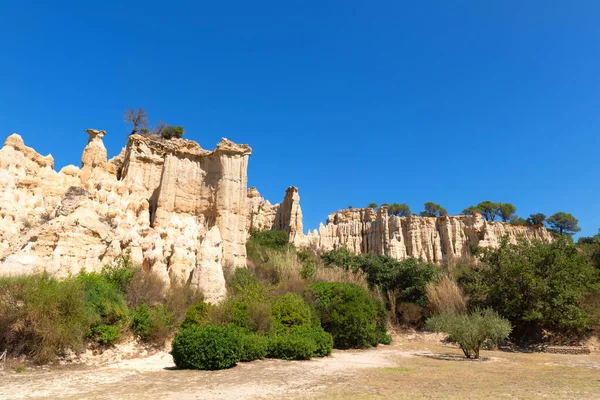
[413, 367]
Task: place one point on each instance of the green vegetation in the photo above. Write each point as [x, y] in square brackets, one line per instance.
[536, 286]
[349, 314]
[206, 347]
[170, 132]
[490, 210]
[537, 219]
[433, 210]
[471, 331]
[407, 278]
[399, 210]
[41, 316]
[563, 223]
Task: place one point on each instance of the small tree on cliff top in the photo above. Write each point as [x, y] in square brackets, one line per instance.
[433, 210]
[138, 118]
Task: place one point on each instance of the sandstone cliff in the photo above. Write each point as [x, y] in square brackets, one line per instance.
[173, 207]
[364, 230]
[439, 240]
[286, 215]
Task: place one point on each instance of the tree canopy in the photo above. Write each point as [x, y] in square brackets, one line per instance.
[400, 210]
[533, 284]
[537, 219]
[563, 223]
[433, 210]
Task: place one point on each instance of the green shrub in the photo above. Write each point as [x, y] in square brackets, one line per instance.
[291, 310]
[245, 284]
[104, 303]
[309, 260]
[471, 332]
[170, 132]
[348, 313]
[536, 286]
[277, 239]
[106, 334]
[120, 273]
[322, 339]
[253, 347]
[153, 324]
[41, 317]
[196, 315]
[206, 347]
[407, 279]
[291, 345]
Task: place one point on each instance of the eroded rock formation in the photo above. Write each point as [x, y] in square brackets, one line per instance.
[173, 207]
[438, 240]
[364, 230]
[184, 212]
[286, 215]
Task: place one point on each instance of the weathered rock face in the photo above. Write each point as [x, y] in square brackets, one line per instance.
[173, 207]
[286, 215]
[437, 240]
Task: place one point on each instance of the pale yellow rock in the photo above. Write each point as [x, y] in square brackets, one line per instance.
[172, 207]
[208, 273]
[438, 240]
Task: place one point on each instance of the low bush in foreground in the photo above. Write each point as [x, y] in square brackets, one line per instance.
[473, 331]
[349, 314]
[253, 347]
[206, 347]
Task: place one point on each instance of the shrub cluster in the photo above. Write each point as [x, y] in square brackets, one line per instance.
[42, 317]
[353, 317]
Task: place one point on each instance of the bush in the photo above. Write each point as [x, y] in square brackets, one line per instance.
[407, 278]
[278, 239]
[206, 347]
[103, 302]
[196, 315]
[153, 324]
[536, 286]
[323, 340]
[106, 334]
[291, 310]
[349, 314]
[291, 345]
[253, 347]
[471, 332]
[170, 132]
[120, 273]
[41, 317]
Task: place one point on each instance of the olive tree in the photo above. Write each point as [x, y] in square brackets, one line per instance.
[471, 331]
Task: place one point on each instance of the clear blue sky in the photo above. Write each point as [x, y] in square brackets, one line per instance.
[352, 101]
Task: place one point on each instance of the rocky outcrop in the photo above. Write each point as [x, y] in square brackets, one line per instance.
[439, 240]
[173, 207]
[286, 215]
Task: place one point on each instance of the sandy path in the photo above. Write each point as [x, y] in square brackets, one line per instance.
[153, 377]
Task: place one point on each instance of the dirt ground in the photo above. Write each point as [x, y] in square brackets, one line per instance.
[414, 366]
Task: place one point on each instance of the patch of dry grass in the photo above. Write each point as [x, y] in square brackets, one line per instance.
[443, 372]
[445, 295]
